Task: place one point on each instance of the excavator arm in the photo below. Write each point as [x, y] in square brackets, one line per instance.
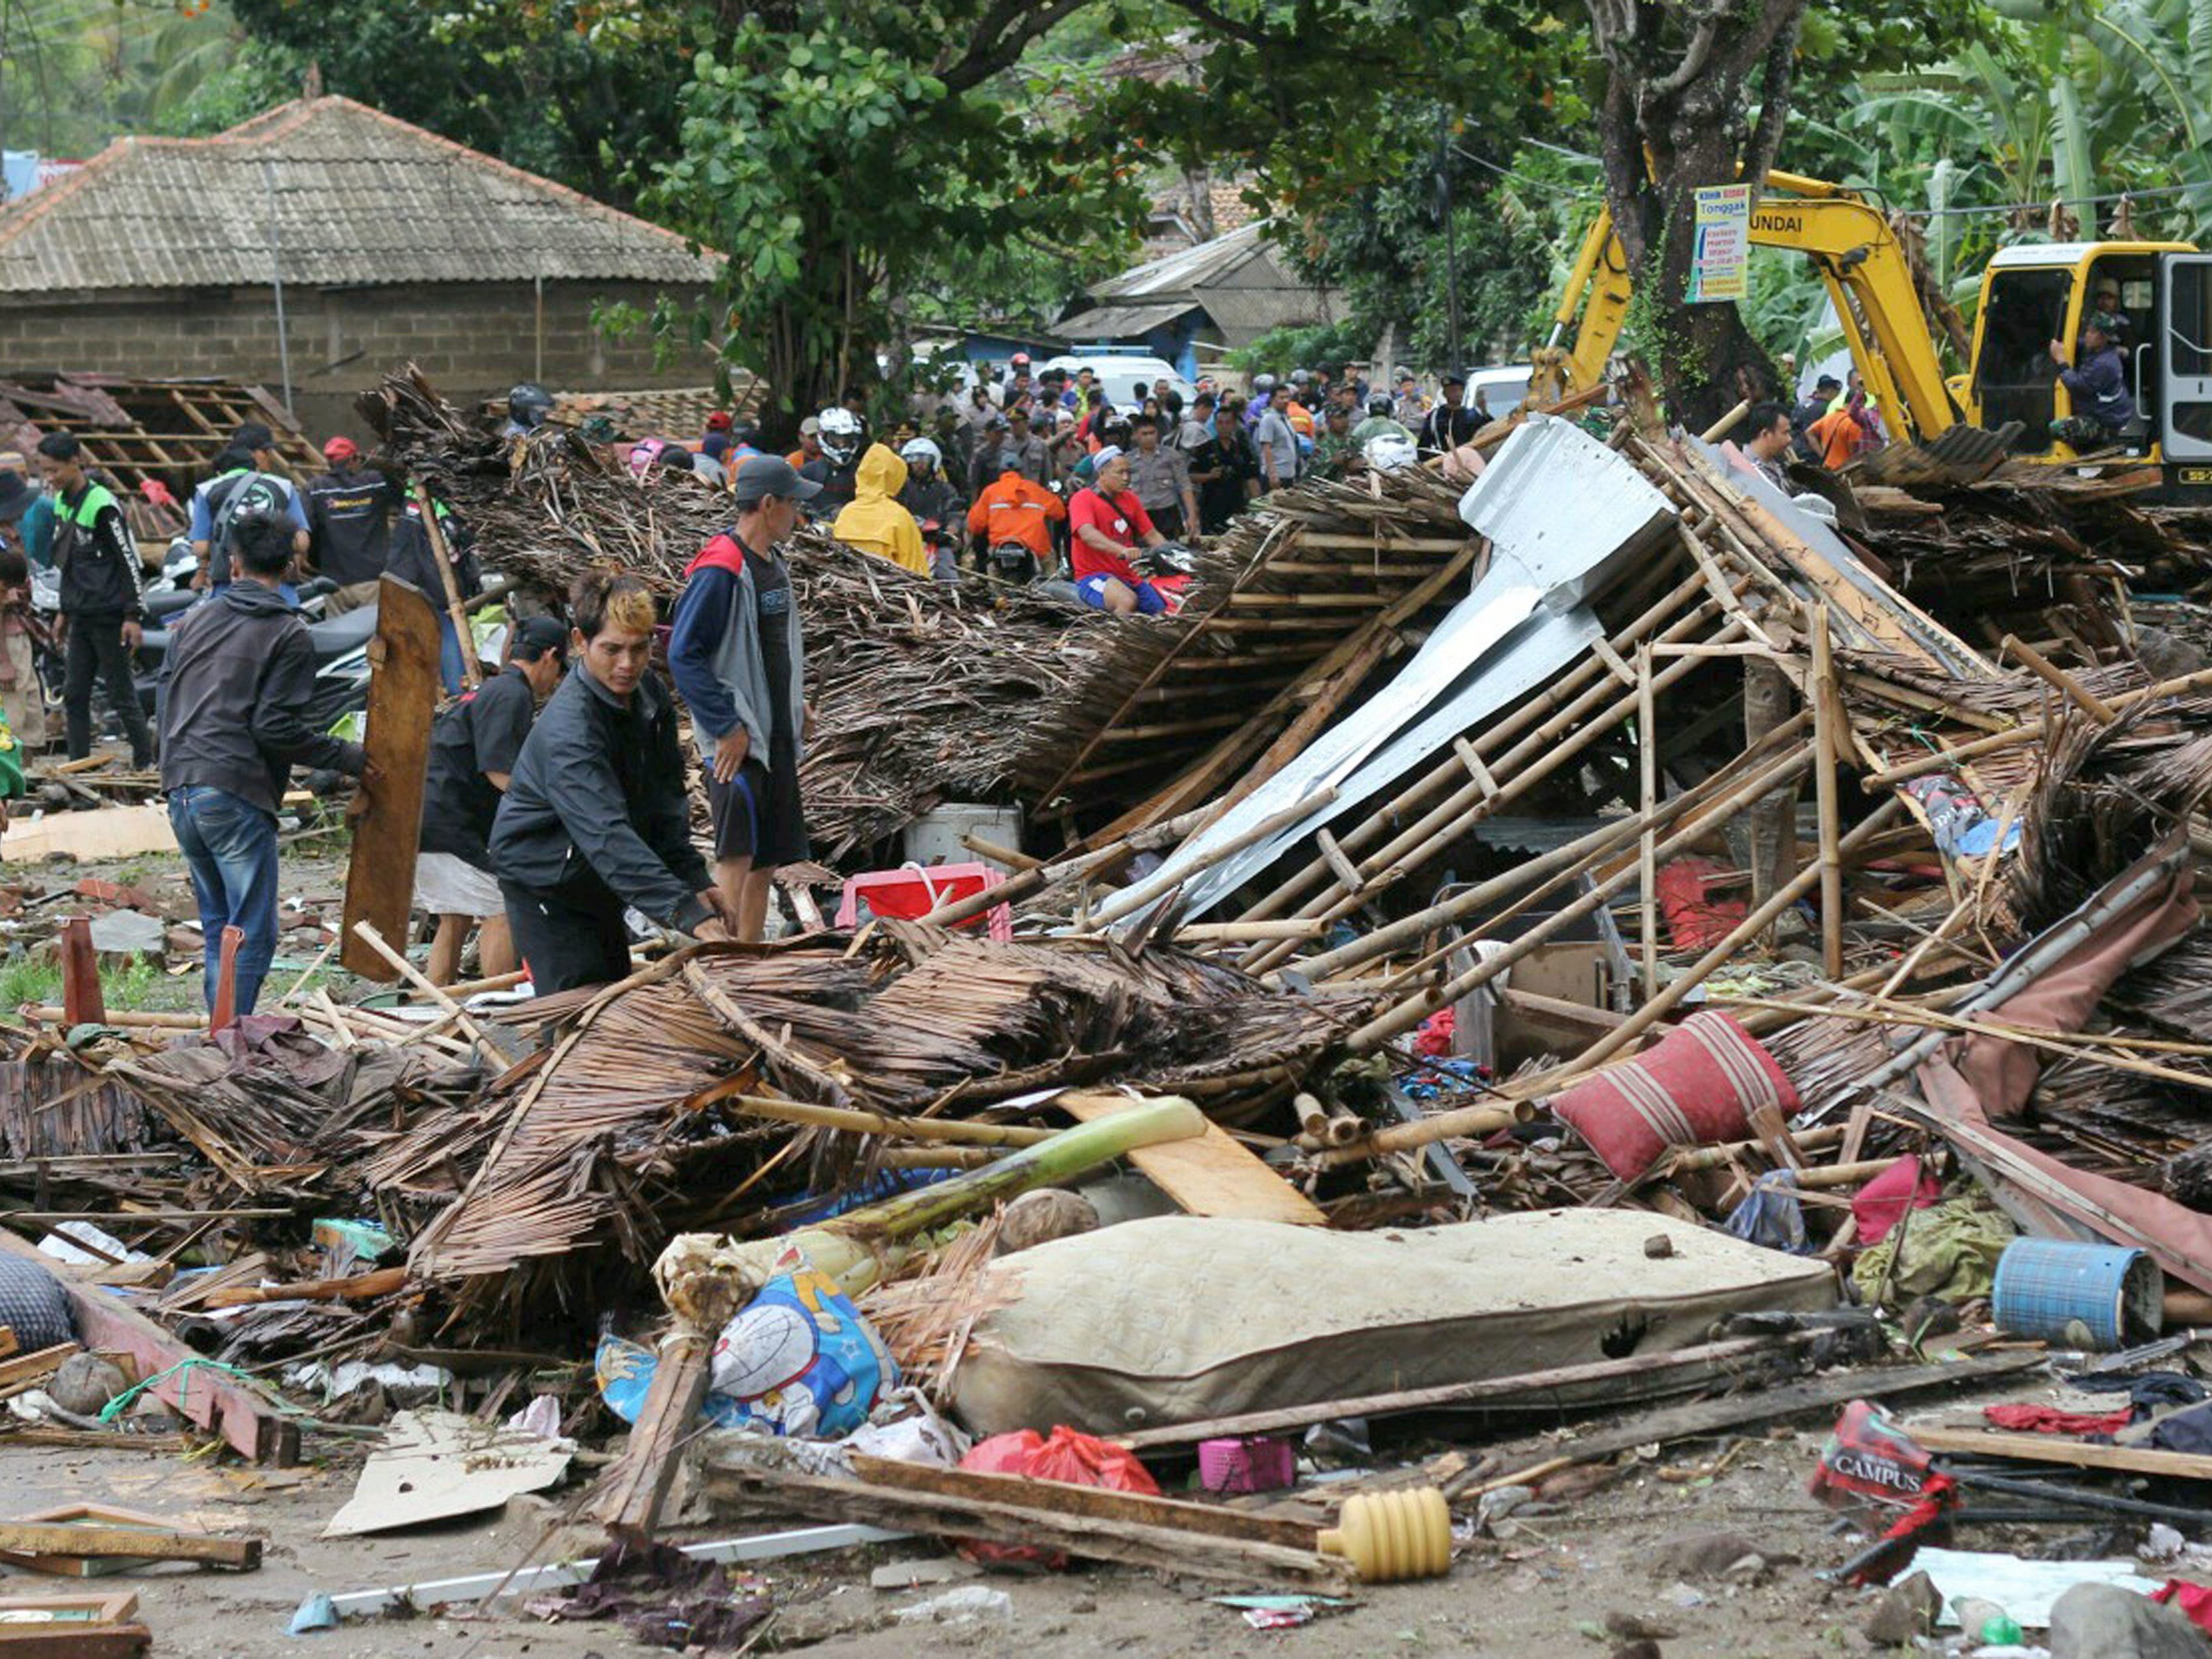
[1859, 258]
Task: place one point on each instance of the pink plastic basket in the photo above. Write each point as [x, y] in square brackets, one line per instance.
[1246, 1463]
[914, 889]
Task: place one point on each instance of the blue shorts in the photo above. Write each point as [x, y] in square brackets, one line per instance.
[1092, 590]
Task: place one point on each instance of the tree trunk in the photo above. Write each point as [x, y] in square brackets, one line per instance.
[1675, 118]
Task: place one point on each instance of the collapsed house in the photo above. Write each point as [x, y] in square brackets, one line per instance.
[1616, 860]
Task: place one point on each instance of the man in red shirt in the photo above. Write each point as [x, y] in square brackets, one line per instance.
[1109, 523]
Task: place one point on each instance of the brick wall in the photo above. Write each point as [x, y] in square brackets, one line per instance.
[471, 339]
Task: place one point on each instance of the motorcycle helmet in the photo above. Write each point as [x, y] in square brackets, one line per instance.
[916, 451]
[1387, 452]
[529, 404]
[1263, 383]
[1302, 377]
[1378, 406]
[745, 435]
[840, 434]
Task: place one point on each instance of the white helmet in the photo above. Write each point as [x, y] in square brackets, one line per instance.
[841, 434]
[1387, 452]
[921, 449]
[1263, 383]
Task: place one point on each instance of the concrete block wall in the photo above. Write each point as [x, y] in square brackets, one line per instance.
[471, 339]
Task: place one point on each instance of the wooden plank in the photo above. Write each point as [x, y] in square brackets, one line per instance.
[1709, 1417]
[22, 1539]
[1102, 1538]
[35, 1367]
[244, 1419]
[403, 687]
[75, 1641]
[111, 832]
[1210, 1173]
[638, 1483]
[2075, 1453]
[1214, 1519]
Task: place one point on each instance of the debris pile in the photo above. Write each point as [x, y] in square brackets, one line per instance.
[1511, 981]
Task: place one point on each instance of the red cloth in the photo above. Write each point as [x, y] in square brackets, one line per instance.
[2049, 1419]
[1899, 1188]
[1699, 1085]
[1070, 1457]
[1435, 1036]
[2195, 1599]
[1121, 518]
[1695, 922]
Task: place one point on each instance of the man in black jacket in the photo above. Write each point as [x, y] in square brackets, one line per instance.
[98, 559]
[595, 817]
[236, 682]
[349, 526]
[412, 559]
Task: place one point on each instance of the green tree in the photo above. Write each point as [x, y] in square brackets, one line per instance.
[75, 74]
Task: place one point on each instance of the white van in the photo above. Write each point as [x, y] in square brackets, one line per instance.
[1502, 389]
[1120, 372]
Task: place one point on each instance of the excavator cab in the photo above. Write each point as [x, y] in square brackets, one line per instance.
[2037, 293]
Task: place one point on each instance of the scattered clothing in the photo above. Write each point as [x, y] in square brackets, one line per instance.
[2049, 1419]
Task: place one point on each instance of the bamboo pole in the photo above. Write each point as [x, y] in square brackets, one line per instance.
[1824, 796]
[854, 1120]
[1744, 932]
[1578, 689]
[1404, 1016]
[464, 638]
[1547, 870]
[1647, 844]
[1949, 759]
[2057, 678]
[367, 933]
[1592, 715]
[1167, 879]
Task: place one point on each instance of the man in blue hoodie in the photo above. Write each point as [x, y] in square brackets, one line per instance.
[736, 656]
[236, 682]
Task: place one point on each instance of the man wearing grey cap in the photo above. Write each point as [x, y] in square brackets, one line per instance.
[736, 655]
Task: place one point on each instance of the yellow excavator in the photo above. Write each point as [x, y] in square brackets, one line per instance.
[2031, 295]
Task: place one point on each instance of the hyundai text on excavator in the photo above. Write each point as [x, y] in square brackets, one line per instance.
[2031, 295]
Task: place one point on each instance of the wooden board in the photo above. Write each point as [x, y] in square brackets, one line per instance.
[75, 1641]
[79, 1534]
[404, 689]
[2049, 1449]
[1212, 1173]
[245, 1420]
[1710, 1416]
[1098, 1537]
[35, 1367]
[107, 832]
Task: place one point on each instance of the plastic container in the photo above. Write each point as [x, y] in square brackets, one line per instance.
[913, 890]
[1246, 1463]
[2094, 1296]
[935, 836]
[1393, 1535]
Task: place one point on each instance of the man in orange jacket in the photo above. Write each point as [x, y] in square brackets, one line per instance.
[1016, 512]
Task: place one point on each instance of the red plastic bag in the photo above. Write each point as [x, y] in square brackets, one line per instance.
[1074, 1459]
[1434, 1039]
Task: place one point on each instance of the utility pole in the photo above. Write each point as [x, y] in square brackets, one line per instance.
[1451, 237]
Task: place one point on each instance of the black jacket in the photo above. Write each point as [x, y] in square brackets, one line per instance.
[1448, 427]
[349, 517]
[235, 684]
[96, 555]
[598, 792]
[412, 561]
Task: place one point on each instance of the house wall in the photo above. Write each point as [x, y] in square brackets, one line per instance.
[471, 339]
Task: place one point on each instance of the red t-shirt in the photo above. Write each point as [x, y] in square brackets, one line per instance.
[1121, 518]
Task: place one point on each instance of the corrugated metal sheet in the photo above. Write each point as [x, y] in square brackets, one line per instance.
[356, 196]
[1186, 268]
[1121, 322]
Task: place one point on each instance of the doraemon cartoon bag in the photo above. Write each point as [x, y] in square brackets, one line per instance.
[799, 1359]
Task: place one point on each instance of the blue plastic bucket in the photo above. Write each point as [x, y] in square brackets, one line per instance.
[2097, 1296]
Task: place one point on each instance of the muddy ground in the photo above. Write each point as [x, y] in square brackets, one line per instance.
[1545, 1590]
